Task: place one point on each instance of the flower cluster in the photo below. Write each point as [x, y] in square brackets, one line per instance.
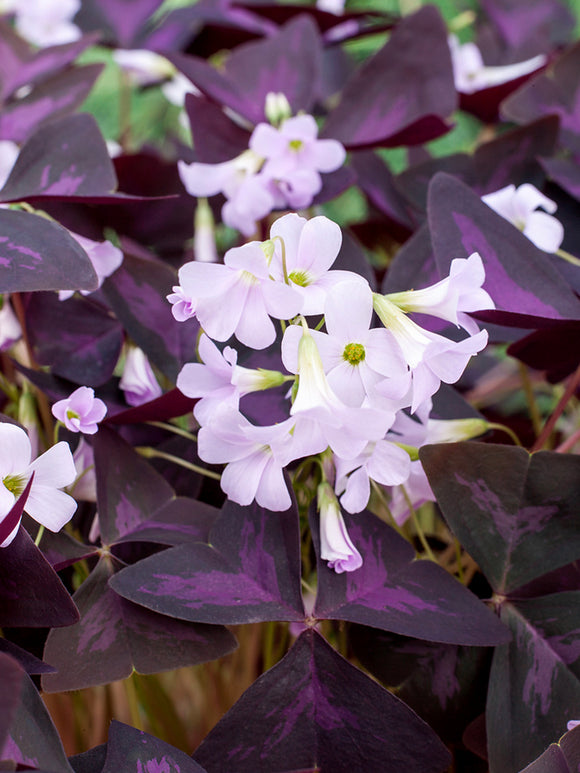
[280, 170]
[360, 395]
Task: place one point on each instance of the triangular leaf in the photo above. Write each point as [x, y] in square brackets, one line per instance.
[134, 751]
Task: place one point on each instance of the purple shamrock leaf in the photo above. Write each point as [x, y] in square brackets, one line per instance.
[519, 276]
[124, 18]
[249, 572]
[33, 741]
[288, 61]
[63, 158]
[515, 513]
[563, 757]
[28, 662]
[137, 294]
[11, 676]
[32, 593]
[38, 254]
[113, 637]
[554, 92]
[403, 94]
[134, 751]
[51, 99]
[534, 685]
[394, 592]
[77, 338]
[314, 711]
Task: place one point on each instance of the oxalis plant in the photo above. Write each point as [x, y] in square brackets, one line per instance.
[289, 372]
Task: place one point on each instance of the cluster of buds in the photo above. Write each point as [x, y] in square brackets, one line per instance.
[359, 396]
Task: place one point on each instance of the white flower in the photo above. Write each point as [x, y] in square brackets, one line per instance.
[47, 22]
[138, 381]
[8, 154]
[53, 470]
[336, 546]
[10, 330]
[105, 257]
[471, 74]
[519, 205]
[81, 411]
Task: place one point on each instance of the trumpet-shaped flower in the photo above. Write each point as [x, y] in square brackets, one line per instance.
[238, 298]
[336, 546]
[81, 411]
[105, 257]
[53, 470]
[220, 379]
[138, 380]
[10, 330]
[304, 251]
[318, 410]
[519, 205]
[471, 74]
[453, 296]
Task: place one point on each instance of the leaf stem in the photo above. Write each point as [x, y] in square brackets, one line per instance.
[418, 527]
[507, 430]
[153, 453]
[530, 398]
[172, 428]
[548, 428]
[568, 257]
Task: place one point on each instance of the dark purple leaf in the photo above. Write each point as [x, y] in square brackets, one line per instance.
[32, 594]
[555, 350]
[180, 520]
[485, 103]
[33, 740]
[37, 254]
[124, 17]
[287, 62]
[376, 181]
[134, 751]
[215, 136]
[551, 761]
[24, 66]
[250, 571]
[515, 513]
[28, 662]
[529, 27]
[51, 99]
[65, 157]
[114, 636]
[91, 761]
[77, 338]
[137, 292]
[168, 406]
[11, 676]
[510, 158]
[394, 592]
[519, 277]
[565, 172]
[352, 258]
[402, 94]
[129, 490]
[555, 92]
[414, 265]
[12, 519]
[333, 184]
[325, 20]
[532, 690]
[314, 710]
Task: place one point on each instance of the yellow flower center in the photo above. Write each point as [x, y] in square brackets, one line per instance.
[299, 278]
[295, 145]
[15, 484]
[354, 353]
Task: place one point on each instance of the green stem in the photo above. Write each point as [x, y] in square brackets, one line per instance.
[133, 702]
[269, 635]
[530, 398]
[39, 535]
[568, 257]
[418, 527]
[172, 428]
[380, 493]
[153, 453]
[507, 430]
[57, 426]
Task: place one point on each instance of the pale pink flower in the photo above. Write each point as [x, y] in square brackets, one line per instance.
[255, 458]
[8, 154]
[81, 411]
[10, 330]
[138, 380]
[183, 306]
[336, 546]
[572, 724]
[105, 257]
[453, 296]
[295, 157]
[383, 462]
[319, 413]
[308, 248]
[239, 298]
[85, 485]
[519, 205]
[53, 470]
[471, 74]
[46, 22]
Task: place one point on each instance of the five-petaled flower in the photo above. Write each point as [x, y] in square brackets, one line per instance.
[81, 411]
